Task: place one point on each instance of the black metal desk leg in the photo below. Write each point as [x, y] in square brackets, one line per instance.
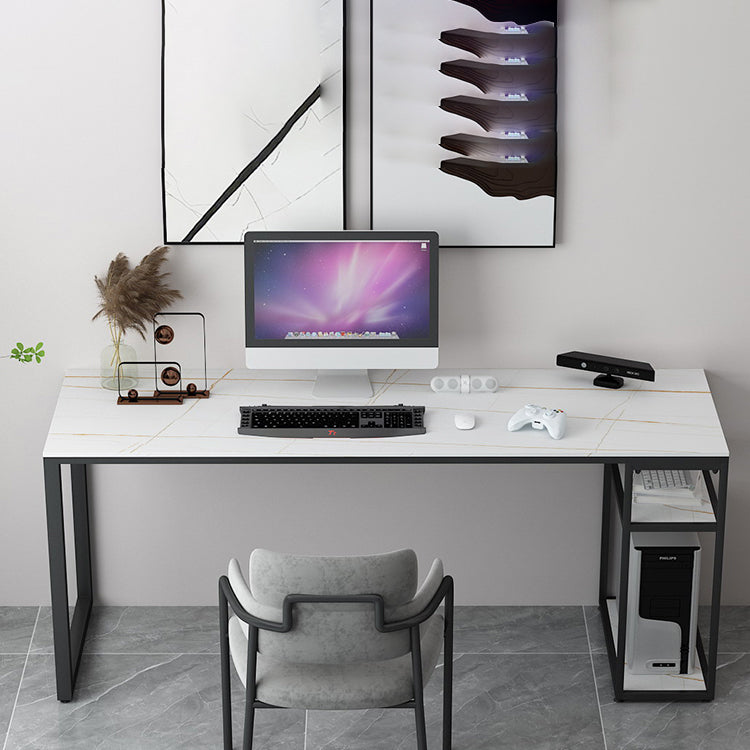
[68, 635]
[606, 520]
[80, 622]
[58, 576]
[720, 512]
[622, 595]
[81, 529]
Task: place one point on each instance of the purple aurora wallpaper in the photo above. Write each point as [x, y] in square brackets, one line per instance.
[342, 289]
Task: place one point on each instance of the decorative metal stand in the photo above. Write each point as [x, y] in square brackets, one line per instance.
[170, 376]
[185, 335]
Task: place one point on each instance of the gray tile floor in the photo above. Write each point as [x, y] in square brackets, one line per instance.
[531, 678]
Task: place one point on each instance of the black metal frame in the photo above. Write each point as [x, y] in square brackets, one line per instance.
[557, 147]
[345, 137]
[615, 490]
[228, 599]
[69, 636]
[165, 314]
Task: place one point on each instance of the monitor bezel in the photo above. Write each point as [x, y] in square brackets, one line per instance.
[353, 235]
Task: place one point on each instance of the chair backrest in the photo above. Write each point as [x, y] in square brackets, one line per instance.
[326, 633]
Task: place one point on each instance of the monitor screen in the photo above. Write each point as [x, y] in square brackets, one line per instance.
[341, 289]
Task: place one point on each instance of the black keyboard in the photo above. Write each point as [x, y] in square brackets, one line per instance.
[331, 421]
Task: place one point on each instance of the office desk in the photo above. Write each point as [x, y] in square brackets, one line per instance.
[669, 423]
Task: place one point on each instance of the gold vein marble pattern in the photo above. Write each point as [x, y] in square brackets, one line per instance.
[673, 416]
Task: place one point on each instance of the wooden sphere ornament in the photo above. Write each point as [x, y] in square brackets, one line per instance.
[170, 376]
[164, 334]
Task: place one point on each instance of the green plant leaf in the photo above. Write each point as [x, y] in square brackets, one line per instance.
[27, 353]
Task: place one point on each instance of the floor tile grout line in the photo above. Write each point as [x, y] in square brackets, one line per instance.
[212, 654]
[593, 674]
[455, 653]
[521, 653]
[20, 679]
[217, 653]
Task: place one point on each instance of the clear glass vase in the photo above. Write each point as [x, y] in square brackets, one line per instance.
[112, 355]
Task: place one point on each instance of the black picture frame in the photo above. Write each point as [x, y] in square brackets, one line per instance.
[466, 213]
[170, 232]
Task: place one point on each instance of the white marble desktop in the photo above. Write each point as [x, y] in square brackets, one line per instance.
[673, 416]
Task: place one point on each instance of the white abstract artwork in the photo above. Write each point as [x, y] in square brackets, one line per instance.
[253, 114]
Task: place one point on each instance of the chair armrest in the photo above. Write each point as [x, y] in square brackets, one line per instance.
[420, 600]
[236, 592]
[444, 592]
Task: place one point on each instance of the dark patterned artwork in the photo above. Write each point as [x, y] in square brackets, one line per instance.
[253, 114]
[464, 119]
[518, 11]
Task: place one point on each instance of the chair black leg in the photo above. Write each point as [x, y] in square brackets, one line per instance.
[226, 692]
[250, 675]
[416, 670]
[448, 671]
[447, 705]
[421, 729]
[247, 741]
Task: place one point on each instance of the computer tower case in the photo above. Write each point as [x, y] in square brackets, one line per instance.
[663, 584]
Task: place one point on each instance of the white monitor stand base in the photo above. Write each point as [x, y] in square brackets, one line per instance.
[342, 385]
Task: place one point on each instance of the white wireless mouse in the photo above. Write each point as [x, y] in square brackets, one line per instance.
[464, 421]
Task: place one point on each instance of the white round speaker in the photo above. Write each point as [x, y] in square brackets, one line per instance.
[485, 383]
[464, 384]
[446, 384]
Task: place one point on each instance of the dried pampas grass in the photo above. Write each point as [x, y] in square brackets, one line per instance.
[131, 297]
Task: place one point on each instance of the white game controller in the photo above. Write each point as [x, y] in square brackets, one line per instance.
[539, 417]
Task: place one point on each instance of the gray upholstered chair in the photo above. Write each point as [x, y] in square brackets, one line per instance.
[335, 633]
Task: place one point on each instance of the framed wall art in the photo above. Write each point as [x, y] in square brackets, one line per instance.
[464, 120]
[252, 117]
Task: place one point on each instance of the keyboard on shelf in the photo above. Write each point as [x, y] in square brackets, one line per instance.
[331, 421]
[665, 479]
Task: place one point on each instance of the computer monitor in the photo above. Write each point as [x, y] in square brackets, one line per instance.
[341, 303]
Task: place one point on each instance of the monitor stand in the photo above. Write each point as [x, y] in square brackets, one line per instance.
[342, 384]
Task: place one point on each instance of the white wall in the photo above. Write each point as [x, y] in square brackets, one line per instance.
[651, 264]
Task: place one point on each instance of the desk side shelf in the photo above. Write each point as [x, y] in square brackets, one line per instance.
[618, 491]
[663, 517]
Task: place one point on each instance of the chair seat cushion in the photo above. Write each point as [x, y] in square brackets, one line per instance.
[337, 686]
